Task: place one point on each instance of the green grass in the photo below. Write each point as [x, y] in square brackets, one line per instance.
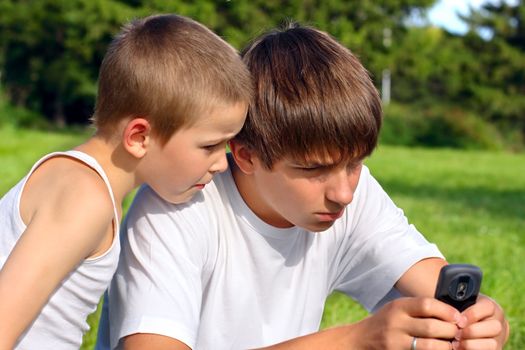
[20, 149]
[471, 203]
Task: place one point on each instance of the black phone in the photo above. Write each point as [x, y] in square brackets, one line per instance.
[458, 285]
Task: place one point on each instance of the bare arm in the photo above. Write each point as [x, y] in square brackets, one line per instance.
[393, 327]
[62, 230]
[151, 341]
[421, 279]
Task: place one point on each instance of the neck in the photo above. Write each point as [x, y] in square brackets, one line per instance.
[118, 164]
[249, 191]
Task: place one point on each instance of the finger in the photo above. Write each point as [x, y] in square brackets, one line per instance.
[430, 307]
[429, 343]
[484, 308]
[475, 344]
[483, 329]
[433, 328]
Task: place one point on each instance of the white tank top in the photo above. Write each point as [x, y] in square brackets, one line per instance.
[62, 322]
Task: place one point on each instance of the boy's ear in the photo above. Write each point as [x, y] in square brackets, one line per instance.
[244, 156]
[136, 137]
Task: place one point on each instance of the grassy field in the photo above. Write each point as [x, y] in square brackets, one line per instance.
[472, 204]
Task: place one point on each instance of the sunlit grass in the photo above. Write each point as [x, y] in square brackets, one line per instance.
[471, 203]
[21, 148]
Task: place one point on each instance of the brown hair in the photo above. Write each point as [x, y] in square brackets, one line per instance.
[313, 98]
[167, 69]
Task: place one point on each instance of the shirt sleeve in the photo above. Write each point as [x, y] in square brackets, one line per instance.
[377, 246]
[157, 287]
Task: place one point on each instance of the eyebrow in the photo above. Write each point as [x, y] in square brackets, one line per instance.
[317, 163]
[311, 164]
[216, 141]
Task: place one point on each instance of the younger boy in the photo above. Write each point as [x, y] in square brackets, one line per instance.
[250, 261]
[171, 94]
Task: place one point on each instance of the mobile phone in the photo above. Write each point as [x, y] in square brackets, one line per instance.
[458, 285]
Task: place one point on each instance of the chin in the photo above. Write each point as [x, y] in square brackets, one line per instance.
[318, 226]
[179, 198]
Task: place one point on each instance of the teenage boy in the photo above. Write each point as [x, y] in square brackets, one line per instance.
[250, 261]
[171, 94]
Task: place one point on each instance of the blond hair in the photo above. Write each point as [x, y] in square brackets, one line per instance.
[168, 69]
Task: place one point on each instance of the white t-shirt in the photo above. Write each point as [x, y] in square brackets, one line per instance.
[213, 275]
[63, 320]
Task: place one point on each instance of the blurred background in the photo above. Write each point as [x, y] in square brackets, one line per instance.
[451, 75]
[458, 87]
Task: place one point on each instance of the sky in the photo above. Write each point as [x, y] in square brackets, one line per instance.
[443, 14]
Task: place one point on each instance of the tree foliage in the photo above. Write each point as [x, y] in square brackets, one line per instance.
[50, 50]
[499, 92]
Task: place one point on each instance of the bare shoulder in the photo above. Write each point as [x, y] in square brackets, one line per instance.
[63, 186]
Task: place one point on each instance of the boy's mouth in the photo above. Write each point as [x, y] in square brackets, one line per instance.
[330, 216]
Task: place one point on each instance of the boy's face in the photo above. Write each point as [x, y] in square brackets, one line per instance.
[310, 195]
[190, 158]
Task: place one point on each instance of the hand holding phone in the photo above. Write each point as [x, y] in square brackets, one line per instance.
[458, 285]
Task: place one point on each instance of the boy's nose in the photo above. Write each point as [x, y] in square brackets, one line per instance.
[220, 165]
[341, 189]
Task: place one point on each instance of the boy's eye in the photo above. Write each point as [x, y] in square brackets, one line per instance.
[213, 147]
[310, 168]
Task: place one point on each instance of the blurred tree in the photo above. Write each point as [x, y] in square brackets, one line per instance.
[497, 36]
[360, 25]
[429, 64]
[52, 50]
